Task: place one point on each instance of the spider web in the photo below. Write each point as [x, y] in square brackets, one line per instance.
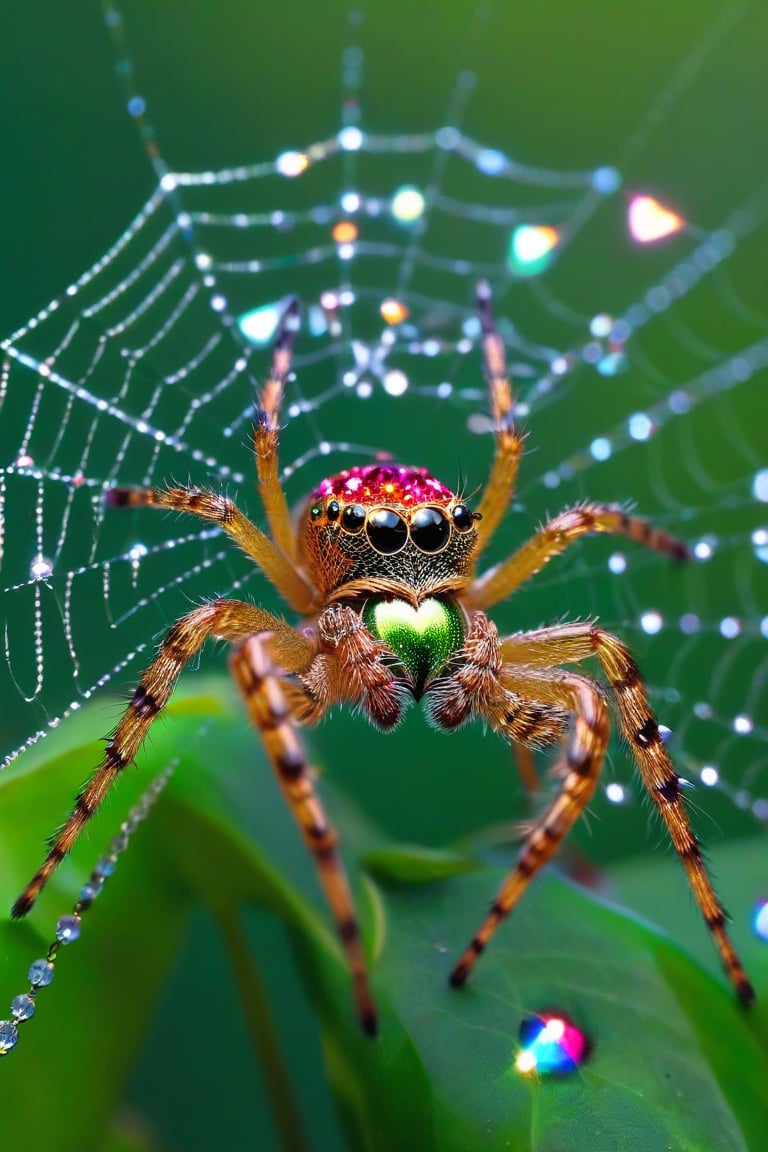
[637, 371]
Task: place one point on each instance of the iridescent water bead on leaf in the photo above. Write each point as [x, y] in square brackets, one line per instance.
[550, 1043]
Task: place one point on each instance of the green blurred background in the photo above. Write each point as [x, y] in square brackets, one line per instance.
[671, 95]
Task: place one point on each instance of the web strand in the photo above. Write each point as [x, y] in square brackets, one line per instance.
[145, 368]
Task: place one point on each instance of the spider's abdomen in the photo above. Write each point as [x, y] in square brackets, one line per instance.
[423, 638]
[386, 525]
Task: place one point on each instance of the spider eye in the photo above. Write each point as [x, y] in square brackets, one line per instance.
[315, 512]
[353, 517]
[386, 531]
[332, 511]
[430, 530]
[462, 518]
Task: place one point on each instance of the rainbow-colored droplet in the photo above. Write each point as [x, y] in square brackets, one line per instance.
[531, 249]
[550, 1043]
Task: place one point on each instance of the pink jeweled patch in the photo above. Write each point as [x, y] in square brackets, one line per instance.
[384, 484]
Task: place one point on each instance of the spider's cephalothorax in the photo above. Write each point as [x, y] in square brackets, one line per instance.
[386, 522]
[397, 543]
[382, 573]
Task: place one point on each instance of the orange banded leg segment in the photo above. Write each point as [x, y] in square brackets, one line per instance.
[582, 762]
[268, 709]
[266, 435]
[222, 511]
[228, 619]
[570, 643]
[555, 537]
[509, 442]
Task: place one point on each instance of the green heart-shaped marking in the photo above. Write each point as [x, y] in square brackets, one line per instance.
[423, 638]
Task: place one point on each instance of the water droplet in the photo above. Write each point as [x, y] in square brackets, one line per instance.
[105, 866]
[41, 568]
[68, 929]
[395, 382]
[350, 139]
[600, 449]
[291, 163]
[23, 1007]
[40, 973]
[689, 623]
[760, 485]
[9, 1036]
[530, 248]
[137, 552]
[490, 161]
[760, 919]
[606, 180]
[639, 426]
[650, 220]
[550, 1043]
[760, 544]
[615, 793]
[709, 775]
[601, 325]
[408, 204]
[651, 622]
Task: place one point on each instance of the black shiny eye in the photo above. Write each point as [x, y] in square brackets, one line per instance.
[386, 531]
[430, 530]
[462, 518]
[315, 512]
[353, 517]
[332, 511]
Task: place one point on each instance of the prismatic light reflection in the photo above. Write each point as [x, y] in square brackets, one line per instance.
[650, 220]
[260, 324]
[550, 1043]
[531, 249]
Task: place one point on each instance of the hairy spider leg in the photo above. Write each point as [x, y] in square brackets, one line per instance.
[220, 510]
[571, 643]
[269, 711]
[266, 436]
[509, 443]
[555, 537]
[354, 668]
[580, 770]
[225, 619]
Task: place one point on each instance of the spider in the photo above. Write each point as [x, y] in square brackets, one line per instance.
[381, 568]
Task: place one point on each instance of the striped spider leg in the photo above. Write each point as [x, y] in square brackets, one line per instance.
[225, 619]
[499, 581]
[557, 534]
[516, 686]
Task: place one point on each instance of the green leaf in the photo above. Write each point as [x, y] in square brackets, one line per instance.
[655, 1019]
[675, 1062]
[412, 864]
